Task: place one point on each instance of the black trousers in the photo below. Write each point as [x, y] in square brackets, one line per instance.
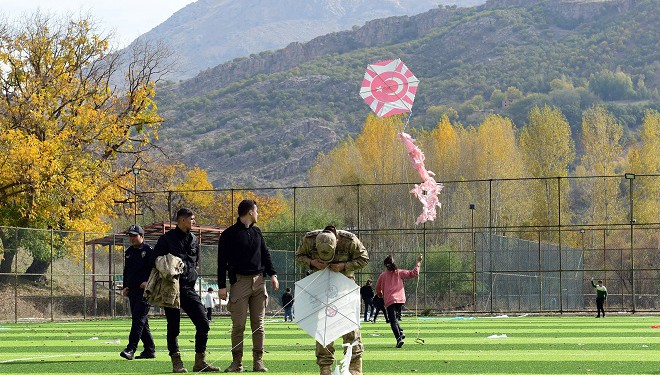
[393, 313]
[378, 309]
[192, 305]
[599, 305]
[139, 322]
[209, 313]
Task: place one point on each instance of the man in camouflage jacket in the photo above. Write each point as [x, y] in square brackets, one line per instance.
[343, 252]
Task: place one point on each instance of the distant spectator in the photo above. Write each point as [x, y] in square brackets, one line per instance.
[287, 303]
[367, 294]
[601, 296]
[209, 303]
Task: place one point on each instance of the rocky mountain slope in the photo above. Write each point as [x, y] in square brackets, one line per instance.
[210, 32]
[262, 120]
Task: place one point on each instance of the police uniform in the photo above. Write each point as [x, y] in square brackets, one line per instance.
[136, 271]
[350, 251]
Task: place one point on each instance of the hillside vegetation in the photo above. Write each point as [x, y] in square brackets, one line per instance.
[262, 120]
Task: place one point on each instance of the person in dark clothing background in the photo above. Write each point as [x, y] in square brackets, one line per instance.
[287, 303]
[136, 274]
[367, 294]
[245, 259]
[181, 242]
[601, 296]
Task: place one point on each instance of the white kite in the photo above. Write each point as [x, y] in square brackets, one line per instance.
[327, 305]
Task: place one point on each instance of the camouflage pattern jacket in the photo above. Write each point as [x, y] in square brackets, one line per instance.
[349, 251]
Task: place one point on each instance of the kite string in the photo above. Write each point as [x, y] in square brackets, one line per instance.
[416, 242]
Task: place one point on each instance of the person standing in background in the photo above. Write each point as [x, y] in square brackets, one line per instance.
[209, 303]
[287, 303]
[367, 294]
[601, 296]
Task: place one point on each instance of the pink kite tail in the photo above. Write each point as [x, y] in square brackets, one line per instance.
[416, 155]
[427, 192]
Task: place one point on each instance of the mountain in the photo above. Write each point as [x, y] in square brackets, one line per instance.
[210, 32]
[262, 120]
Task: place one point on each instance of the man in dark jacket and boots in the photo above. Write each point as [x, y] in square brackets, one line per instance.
[182, 243]
[242, 253]
[136, 274]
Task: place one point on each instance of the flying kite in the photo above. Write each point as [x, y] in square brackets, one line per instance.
[327, 305]
[389, 88]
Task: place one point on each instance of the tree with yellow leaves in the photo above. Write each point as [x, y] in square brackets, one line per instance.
[497, 156]
[444, 150]
[375, 156]
[65, 128]
[269, 206]
[548, 150]
[644, 158]
[601, 140]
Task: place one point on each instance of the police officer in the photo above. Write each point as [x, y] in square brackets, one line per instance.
[182, 243]
[343, 252]
[136, 273]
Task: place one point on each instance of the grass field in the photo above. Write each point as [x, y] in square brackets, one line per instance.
[534, 345]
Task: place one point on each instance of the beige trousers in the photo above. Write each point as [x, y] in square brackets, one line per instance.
[247, 294]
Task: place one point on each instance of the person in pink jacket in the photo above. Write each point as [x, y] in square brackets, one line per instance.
[390, 287]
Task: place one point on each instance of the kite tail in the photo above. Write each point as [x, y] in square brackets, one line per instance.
[427, 192]
[342, 367]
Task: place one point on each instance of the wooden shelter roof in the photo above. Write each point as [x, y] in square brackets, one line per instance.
[206, 235]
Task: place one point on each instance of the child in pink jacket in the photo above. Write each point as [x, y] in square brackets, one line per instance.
[390, 287]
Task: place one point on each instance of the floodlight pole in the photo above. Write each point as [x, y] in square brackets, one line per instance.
[136, 172]
[631, 177]
[474, 261]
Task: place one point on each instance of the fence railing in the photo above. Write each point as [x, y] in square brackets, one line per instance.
[510, 245]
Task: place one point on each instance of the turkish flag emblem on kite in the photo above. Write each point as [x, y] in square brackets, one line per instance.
[389, 87]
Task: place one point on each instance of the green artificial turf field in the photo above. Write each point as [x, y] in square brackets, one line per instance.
[533, 345]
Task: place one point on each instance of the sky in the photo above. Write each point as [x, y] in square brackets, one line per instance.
[128, 19]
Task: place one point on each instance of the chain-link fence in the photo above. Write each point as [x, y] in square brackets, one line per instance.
[496, 246]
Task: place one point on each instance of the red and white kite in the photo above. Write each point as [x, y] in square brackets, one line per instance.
[389, 88]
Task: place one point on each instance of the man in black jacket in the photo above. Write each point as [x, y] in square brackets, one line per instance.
[182, 243]
[136, 274]
[242, 253]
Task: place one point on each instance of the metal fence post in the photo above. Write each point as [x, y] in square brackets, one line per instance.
[169, 207]
[474, 261]
[84, 263]
[52, 297]
[296, 268]
[631, 178]
[490, 241]
[561, 268]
